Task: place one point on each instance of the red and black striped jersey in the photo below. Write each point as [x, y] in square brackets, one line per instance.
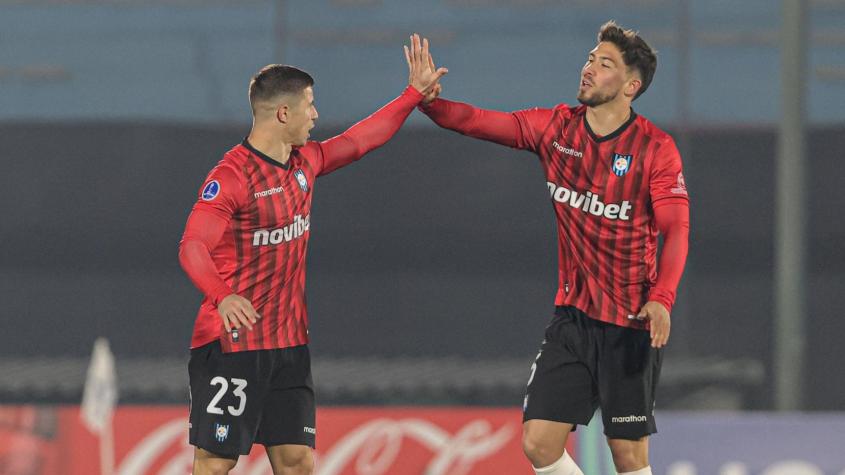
[603, 190]
[261, 209]
[261, 255]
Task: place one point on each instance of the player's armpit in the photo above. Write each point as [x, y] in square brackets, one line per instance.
[368, 134]
[202, 233]
[671, 215]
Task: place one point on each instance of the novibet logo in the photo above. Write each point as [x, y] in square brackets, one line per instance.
[590, 203]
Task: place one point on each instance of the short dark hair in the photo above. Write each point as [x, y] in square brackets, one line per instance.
[635, 51]
[277, 79]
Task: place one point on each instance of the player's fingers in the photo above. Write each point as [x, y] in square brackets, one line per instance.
[407, 56]
[252, 314]
[425, 56]
[243, 317]
[431, 63]
[226, 323]
[662, 335]
[238, 316]
[417, 52]
[234, 323]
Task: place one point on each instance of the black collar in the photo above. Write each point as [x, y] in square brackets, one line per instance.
[612, 135]
[265, 157]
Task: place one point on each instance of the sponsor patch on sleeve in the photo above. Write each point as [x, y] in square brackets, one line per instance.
[681, 186]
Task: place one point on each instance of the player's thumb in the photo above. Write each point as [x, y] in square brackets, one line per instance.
[440, 73]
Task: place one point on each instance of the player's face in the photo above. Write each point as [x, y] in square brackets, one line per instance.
[301, 117]
[603, 77]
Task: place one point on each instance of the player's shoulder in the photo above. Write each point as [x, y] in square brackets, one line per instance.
[233, 162]
[309, 155]
[566, 111]
[653, 132]
[311, 149]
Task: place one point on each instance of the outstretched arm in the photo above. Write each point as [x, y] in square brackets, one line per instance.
[499, 127]
[519, 129]
[378, 128]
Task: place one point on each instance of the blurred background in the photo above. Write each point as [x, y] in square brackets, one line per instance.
[432, 263]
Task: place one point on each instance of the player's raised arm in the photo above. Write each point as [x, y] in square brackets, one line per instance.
[378, 128]
[520, 129]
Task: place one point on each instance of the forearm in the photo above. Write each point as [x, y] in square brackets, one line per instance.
[499, 127]
[370, 133]
[202, 233]
[673, 222]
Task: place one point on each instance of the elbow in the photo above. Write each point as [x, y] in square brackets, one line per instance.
[187, 247]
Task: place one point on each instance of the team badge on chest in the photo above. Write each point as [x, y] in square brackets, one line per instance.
[303, 181]
[621, 164]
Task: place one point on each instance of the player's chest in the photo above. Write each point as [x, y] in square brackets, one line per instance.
[580, 163]
[277, 196]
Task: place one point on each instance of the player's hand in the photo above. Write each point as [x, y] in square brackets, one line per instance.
[236, 311]
[658, 315]
[435, 91]
[421, 72]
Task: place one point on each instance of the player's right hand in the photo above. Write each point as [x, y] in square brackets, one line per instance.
[434, 92]
[236, 311]
[422, 74]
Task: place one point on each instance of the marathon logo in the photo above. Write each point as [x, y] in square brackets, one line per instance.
[628, 419]
[271, 191]
[292, 231]
[569, 151]
[590, 203]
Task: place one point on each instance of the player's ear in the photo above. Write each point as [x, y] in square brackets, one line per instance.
[634, 84]
[282, 113]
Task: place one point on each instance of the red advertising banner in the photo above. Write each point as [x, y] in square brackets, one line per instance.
[152, 440]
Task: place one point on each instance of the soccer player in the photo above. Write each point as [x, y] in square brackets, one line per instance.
[615, 182]
[244, 247]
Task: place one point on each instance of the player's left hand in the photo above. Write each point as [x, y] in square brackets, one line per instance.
[421, 72]
[658, 315]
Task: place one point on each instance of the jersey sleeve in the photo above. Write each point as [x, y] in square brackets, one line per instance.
[366, 135]
[667, 177]
[223, 192]
[219, 199]
[671, 217]
[202, 233]
[520, 129]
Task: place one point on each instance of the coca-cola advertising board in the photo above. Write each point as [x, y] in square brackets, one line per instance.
[152, 440]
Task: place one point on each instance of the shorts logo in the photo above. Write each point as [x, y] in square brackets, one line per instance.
[628, 419]
[303, 182]
[309, 430]
[221, 432]
[236, 337]
[621, 164]
[210, 190]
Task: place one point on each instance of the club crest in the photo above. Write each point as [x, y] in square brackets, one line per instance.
[621, 164]
[303, 182]
[221, 432]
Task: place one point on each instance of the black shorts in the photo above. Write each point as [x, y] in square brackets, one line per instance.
[584, 364]
[237, 399]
